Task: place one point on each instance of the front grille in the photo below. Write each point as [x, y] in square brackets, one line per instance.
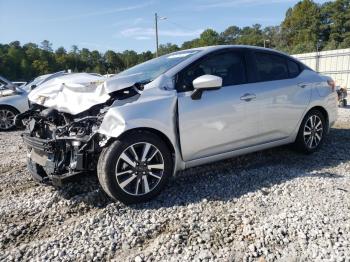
[39, 144]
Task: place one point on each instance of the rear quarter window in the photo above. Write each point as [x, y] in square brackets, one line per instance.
[293, 68]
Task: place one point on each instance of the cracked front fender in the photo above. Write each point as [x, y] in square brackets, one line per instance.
[154, 109]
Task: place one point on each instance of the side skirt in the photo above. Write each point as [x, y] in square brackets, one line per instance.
[239, 152]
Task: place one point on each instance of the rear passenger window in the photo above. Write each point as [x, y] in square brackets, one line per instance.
[271, 67]
[293, 68]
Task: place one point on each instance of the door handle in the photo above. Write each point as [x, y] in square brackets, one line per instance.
[248, 97]
[302, 85]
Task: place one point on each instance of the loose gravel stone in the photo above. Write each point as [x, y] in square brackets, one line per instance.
[275, 205]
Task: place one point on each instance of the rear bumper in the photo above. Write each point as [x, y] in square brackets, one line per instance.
[332, 108]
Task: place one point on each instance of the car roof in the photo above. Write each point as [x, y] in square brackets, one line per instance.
[209, 49]
[219, 47]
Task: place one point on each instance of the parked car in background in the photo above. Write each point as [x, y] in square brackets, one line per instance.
[109, 75]
[14, 99]
[19, 83]
[41, 79]
[174, 112]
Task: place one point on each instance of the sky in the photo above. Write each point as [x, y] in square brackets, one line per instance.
[129, 24]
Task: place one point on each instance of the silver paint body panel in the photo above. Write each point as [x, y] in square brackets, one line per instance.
[222, 124]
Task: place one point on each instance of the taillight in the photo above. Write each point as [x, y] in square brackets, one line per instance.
[331, 84]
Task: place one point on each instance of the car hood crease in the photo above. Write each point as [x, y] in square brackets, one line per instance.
[76, 93]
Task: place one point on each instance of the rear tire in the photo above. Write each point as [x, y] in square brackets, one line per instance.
[135, 168]
[312, 132]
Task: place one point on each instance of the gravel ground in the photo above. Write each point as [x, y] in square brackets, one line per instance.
[266, 206]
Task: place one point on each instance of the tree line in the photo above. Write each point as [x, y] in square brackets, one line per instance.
[307, 27]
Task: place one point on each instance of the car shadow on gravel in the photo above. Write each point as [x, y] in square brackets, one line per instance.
[230, 179]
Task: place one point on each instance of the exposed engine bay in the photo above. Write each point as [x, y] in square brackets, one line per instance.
[61, 144]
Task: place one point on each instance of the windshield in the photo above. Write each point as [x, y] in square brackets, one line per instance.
[153, 68]
[34, 82]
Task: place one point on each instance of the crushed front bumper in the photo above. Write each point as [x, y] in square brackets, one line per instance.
[39, 144]
[45, 160]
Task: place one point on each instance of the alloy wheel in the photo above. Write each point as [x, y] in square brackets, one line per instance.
[6, 119]
[139, 168]
[313, 131]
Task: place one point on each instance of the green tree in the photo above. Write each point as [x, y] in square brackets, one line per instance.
[145, 56]
[301, 27]
[41, 67]
[167, 48]
[335, 19]
[209, 37]
[230, 35]
[251, 36]
[130, 58]
[113, 62]
[191, 44]
[46, 45]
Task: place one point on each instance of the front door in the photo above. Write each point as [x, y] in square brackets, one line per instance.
[219, 122]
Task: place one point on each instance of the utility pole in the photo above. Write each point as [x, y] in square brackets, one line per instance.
[156, 21]
[266, 40]
[318, 45]
[156, 18]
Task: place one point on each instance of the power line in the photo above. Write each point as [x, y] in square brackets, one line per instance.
[181, 26]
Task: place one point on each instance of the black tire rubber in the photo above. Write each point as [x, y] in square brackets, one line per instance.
[13, 110]
[299, 143]
[107, 164]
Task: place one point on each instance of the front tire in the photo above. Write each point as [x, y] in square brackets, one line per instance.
[135, 168]
[7, 116]
[312, 132]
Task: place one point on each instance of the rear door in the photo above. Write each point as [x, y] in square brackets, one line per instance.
[281, 94]
[218, 122]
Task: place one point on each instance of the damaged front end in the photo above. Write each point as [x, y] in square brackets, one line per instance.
[60, 144]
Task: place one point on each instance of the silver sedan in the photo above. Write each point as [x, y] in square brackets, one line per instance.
[175, 112]
[14, 98]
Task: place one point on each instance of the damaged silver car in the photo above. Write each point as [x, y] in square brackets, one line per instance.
[177, 111]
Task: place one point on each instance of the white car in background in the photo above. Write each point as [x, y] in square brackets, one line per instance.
[14, 99]
[19, 83]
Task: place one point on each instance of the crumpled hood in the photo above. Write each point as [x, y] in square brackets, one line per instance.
[75, 93]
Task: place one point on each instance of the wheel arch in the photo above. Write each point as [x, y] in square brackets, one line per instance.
[165, 139]
[323, 111]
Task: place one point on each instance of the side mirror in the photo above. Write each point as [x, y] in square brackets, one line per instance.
[205, 82]
[32, 87]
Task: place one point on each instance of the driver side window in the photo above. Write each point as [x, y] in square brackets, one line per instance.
[229, 66]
